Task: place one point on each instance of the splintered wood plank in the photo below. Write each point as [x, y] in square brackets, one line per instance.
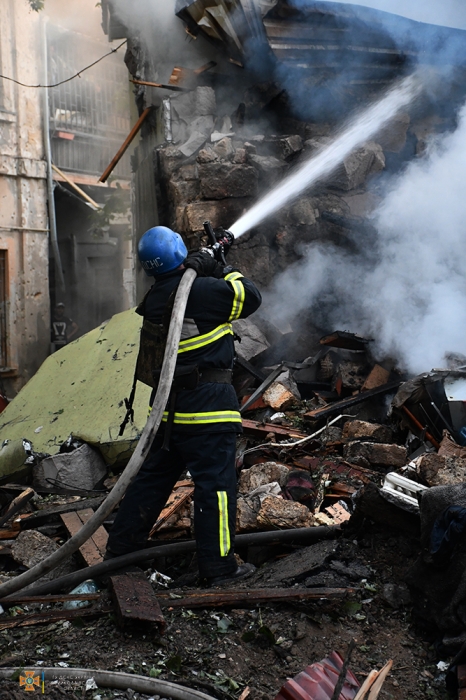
[93, 550]
[135, 600]
[238, 597]
[178, 497]
[52, 616]
[100, 536]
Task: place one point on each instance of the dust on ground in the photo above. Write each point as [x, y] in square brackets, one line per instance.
[222, 651]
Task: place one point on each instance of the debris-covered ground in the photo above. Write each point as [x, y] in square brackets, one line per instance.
[352, 473]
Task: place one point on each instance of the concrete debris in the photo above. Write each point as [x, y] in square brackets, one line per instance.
[371, 432]
[261, 474]
[278, 513]
[82, 468]
[32, 547]
[375, 454]
[252, 341]
[282, 394]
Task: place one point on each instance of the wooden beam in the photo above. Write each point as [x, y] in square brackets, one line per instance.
[43, 517]
[52, 616]
[93, 550]
[179, 496]
[16, 505]
[76, 187]
[122, 150]
[220, 597]
[339, 406]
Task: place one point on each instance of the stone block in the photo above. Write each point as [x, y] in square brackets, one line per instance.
[275, 512]
[302, 213]
[359, 166]
[253, 341]
[222, 180]
[377, 454]
[171, 160]
[187, 172]
[240, 156]
[204, 101]
[393, 137]
[282, 394]
[269, 168]
[371, 432]
[193, 144]
[183, 191]
[428, 467]
[290, 146]
[224, 148]
[261, 474]
[207, 155]
[222, 212]
[246, 514]
[32, 547]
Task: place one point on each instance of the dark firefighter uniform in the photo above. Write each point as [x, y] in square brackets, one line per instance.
[206, 422]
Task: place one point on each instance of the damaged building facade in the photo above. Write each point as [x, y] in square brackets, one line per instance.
[266, 87]
[24, 246]
[87, 244]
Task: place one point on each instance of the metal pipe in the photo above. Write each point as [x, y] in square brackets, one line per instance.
[48, 160]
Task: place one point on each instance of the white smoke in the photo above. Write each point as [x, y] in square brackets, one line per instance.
[408, 289]
[163, 35]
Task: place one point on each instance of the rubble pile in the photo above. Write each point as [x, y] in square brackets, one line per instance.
[333, 445]
[219, 160]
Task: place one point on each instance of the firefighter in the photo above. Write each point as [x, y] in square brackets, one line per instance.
[202, 420]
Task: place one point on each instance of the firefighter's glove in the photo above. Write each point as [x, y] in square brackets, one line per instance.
[204, 264]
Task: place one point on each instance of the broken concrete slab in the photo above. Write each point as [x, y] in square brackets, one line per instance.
[253, 341]
[275, 512]
[377, 454]
[371, 432]
[32, 547]
[79, 390]
[261, 474]
[82, 469]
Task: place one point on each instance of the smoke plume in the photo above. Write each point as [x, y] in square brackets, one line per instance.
[407, 287]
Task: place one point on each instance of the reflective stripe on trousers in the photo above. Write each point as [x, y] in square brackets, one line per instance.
[203, 418]
[224, 530]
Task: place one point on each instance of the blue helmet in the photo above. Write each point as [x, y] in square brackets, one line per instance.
[161, 250]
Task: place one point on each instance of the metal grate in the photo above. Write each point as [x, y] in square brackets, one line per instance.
[3, 308]
[89, 115]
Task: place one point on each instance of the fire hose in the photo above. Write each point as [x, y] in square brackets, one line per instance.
[116, 680]
[137, 459]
